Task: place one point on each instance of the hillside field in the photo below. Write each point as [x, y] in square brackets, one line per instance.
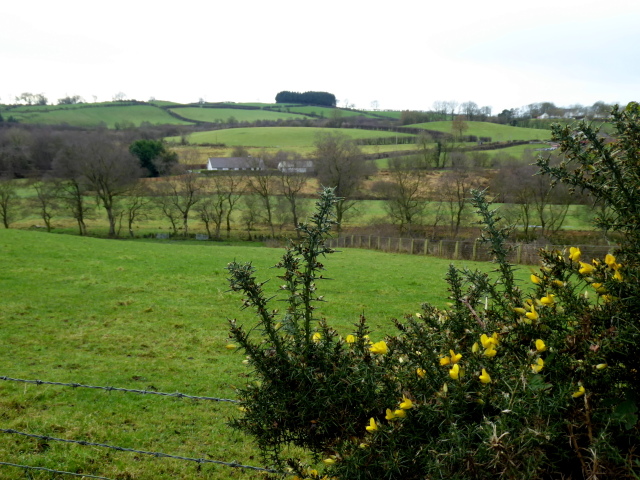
[277, 137]
[213, 115]
[84, 115]
[497, 132]
[153, 316]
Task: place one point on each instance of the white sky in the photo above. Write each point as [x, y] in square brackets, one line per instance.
[405, 54]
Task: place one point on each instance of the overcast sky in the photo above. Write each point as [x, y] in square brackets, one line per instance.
[404, 54]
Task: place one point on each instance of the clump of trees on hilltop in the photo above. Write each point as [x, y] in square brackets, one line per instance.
[307, 98]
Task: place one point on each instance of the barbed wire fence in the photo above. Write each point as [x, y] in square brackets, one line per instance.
[474, 250]
[116, 389]
[47, 438]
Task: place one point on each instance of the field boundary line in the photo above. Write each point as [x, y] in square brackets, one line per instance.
[200, 461]
[117, 389]
[84, 475]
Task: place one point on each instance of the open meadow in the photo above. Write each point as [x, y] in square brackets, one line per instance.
[497, 132]
[277, 137]
[154, 316]
[94, 115]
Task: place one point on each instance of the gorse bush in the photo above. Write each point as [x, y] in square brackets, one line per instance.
[510, 381]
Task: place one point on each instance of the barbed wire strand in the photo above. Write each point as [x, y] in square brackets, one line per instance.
[143, 452]
[116, 389]
[83, 475]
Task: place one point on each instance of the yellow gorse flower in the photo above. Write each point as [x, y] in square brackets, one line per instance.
[485, 378]
[372, 427]
[445, 361]
[539, 365]
[390, 415]
[601, 366]
[455, 357]
[475, 347]
[379, 348]
[540, 345]
[400, 413]
[329, 461]
[610, 260]
[618, 276]
[406, 403]
[421, 372]
[536, 279]
[574, 254]
[316, 337]
[519, 310]
[350, 339]
[490, 352]
[581, 391]
[454, 373]
[532, 315]
[230, 346]
[489, 341]
[548, 300]
[585, 268]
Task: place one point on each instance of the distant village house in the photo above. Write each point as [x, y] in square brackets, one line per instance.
[235, 164]
[296, 166]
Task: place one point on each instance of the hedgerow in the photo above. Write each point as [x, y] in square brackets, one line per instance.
[510, 381]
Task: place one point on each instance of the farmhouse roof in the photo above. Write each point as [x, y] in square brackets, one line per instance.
[235, 163]
[296, 166]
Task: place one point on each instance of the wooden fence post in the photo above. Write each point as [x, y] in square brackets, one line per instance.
[426, 246]
[411, 252]
[519, 254]
[456, 250]
[475, 250]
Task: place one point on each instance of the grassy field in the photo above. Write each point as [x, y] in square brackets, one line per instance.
[150, 315]
[92, 116]
[223, 114]
[277, 137]
[498, 133]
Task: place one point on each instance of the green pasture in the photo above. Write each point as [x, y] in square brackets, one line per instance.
[392, 114]
[223, 114]
[93, 116]
[154, 316]
[497, 132]
[277, 137]
[325, 112]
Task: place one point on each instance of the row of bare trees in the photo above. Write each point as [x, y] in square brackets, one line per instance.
[417, 191]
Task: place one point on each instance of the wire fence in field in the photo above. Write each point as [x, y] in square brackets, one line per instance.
[116, 389]
[84, 443]
[475, 250]
[47, 438]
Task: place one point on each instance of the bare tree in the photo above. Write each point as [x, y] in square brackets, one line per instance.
[212, 208]
[455, 188]
[293, 178]
[46, 200]
[539, 206]
[9, 200]
[340, 164]
[71, 186]
[234, 188]
[181, 192]
[264, 184]
[406, 203]
[133, 206]
[109, 170]
[459, 126]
